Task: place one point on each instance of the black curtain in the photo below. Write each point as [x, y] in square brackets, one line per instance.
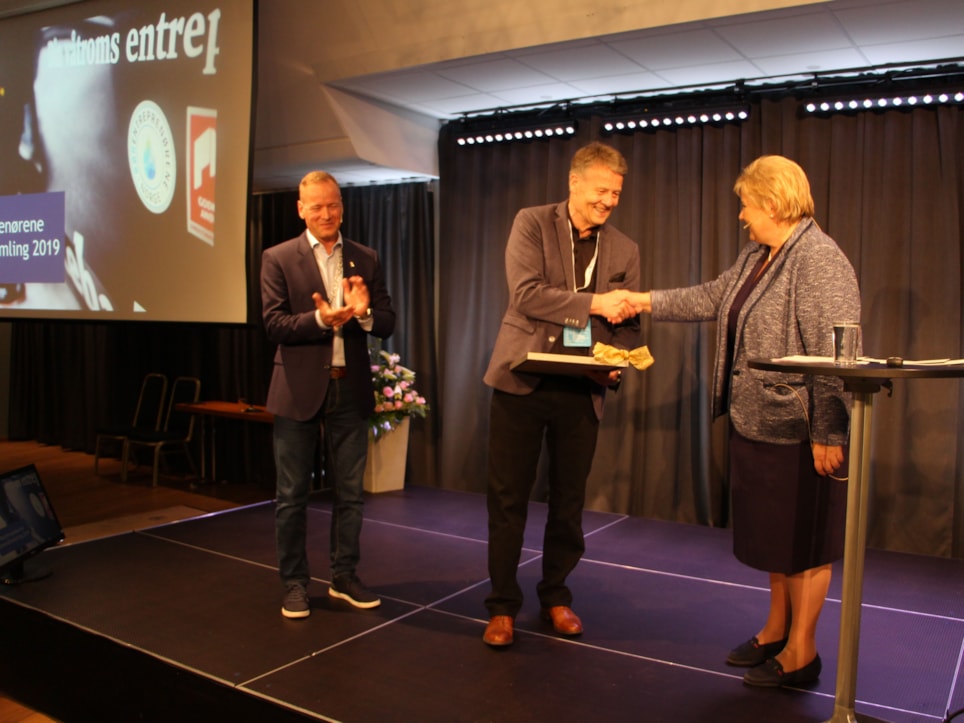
[398, 221]
[888, 187]
[67, 379]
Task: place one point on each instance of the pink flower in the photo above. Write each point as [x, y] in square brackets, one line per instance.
[388, 392]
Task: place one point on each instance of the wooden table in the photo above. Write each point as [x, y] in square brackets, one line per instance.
[864, 380]
[210, 411]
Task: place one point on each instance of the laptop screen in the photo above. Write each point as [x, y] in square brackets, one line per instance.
[28, 523]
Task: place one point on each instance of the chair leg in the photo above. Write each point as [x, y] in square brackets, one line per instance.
[157, 463]
[125, 453]
[190, 460]
[98, 445]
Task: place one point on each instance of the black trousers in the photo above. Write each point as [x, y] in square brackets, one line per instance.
[560, 411]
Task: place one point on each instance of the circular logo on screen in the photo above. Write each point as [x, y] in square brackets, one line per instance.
[150, 153]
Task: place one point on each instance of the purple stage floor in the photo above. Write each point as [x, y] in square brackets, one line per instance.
[184, 621]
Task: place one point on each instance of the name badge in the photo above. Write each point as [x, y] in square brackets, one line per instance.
[577, 337]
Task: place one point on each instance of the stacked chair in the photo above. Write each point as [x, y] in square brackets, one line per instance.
[174, 436]
[148, 412]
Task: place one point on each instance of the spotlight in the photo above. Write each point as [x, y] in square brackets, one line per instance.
[656, 118]
[880, 101]
[484, 131]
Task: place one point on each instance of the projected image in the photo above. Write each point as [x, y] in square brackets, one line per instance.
[114, 125]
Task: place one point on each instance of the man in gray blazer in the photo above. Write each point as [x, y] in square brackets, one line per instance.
[569, 276]
[322, 295]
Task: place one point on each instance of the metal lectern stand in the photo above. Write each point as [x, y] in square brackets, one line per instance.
[855, 545]
[863, 380]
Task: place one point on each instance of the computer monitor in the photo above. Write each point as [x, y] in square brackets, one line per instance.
[28, 525]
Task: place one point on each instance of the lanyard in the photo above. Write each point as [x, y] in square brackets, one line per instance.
[590, 268]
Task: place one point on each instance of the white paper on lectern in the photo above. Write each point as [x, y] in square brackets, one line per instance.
[804, 359]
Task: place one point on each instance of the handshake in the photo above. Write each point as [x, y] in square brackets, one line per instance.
[620, 304]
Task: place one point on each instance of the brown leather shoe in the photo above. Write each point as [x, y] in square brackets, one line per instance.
[564, 620]
[498, 633]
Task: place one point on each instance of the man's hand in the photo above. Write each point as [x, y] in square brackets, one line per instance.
[605, 378]
[614, 305]
[330, 317]
[356, 295]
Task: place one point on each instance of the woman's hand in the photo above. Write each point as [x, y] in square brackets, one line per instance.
[827, 459]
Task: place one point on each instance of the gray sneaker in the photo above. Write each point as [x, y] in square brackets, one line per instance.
[296, 602]
[350, 588]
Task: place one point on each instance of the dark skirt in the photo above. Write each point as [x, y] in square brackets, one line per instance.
[786, 517]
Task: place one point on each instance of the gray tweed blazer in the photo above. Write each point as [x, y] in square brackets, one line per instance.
[809, 286]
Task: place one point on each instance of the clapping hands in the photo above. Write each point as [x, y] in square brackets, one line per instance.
[356, 298]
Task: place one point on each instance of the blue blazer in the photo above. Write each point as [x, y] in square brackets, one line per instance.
[302, 360]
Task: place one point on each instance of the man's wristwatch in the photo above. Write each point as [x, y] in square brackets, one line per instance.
[366, 316]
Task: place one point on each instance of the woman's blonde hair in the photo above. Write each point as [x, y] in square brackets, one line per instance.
[777, 184]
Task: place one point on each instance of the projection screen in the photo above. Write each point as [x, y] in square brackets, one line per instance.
[125, 145]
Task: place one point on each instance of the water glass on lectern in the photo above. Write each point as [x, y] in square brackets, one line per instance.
[846, 341]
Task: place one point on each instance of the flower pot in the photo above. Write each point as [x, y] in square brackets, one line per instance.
[385, 467]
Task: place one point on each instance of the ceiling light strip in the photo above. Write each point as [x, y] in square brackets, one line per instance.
[857, 104]
[563, 129]
[675, 119]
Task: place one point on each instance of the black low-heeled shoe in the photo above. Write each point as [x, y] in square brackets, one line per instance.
[772, 675]
[752, 652]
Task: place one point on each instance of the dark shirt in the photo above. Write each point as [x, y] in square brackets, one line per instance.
[583, 250]
[731, 319]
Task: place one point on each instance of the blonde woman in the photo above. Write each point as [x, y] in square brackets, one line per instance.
[788, 432]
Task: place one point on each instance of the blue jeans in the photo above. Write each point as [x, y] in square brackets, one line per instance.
[346, 449]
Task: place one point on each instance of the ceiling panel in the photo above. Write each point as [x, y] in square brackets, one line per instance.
[589, 61]
[496, 75]
[837, 36]
[893, 22]
[699, 46]
[802, 64]
[810, 33]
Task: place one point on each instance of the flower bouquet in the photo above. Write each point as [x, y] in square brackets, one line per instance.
[395, 394]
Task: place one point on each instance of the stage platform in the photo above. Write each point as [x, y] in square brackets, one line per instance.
[182, 622]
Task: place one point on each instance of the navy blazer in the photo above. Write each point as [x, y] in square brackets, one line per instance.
[302, 360]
